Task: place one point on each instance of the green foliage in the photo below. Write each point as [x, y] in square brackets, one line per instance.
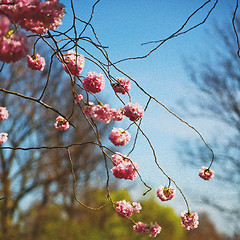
[56, 223]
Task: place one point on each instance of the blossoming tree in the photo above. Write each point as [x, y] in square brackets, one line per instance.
[38, 20]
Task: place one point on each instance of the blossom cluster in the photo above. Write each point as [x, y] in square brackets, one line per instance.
[133, 111]
[13, 46]
[103, 112]
[3, 115]
[122, 85]
[189, 220]
[126, 209]
[36, 62]
[34, 15]
[205, 173]
[94, 82]
[166, 193]
[124, 168]
[73, 63]
[153, 229]
[119, 137]
[61, 123]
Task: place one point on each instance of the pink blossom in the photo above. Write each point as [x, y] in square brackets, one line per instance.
[74, 62]
[35, 15]
[3, 137]
[13, 47]
[141, 227]
[88, 109]
[155, 229]
[189, 220]
[4, 25]
[124, 168]
[165, 193]
[117, 158]
[61, 123]
[133, 111]
[117, 115]
[136, 207]
[94, 82]
[102, 112]
[3, 113]
[36, 62]
[124, 209]
[122, 85]
[78, 98]
[119, 137]
[205, 173]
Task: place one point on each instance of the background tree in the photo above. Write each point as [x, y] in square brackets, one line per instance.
[44, 173]
[218, 79]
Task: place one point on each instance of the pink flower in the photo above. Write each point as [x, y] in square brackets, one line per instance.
[133, 111]
[3, 137]
[35, 15]
[4, 25]
[78, 98]
[119, 137]
[124, 209]
[74, 62]
[142, 228]
[61, 123]
[122, 85]
[136, 207]
[117, 115]
[124, 168]
[3, 113]
[102, 113]
[13, 47]
[36, 62]
[165, 193]
[155, 229]
[189, 220]
[94, 82]
[88, 109]
[206, 173]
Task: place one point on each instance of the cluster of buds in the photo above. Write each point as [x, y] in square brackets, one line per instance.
[126, 209]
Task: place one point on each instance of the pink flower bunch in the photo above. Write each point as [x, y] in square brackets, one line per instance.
[117, 114]
[153, 229]
[74, 61]
[13, 47]
[4, 25]
[102, 113]
[123, 167]
[206, 173]
[78, 98]
[61, 123]
[126, 209]
[119, 137]
[94, 82]
[189, 220]
[133, 111]
[165, 193]
[122, 85]
[36, 62]
[3, 113]
[34, 15]
[3, 137]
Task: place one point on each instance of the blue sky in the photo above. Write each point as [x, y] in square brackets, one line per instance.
[123, 26]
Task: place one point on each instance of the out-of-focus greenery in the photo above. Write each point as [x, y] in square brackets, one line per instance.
[56, 223]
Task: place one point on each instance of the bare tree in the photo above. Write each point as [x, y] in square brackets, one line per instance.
[218, 80]
[44, 172]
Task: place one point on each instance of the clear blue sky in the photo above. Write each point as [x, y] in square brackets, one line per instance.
[123, 26]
